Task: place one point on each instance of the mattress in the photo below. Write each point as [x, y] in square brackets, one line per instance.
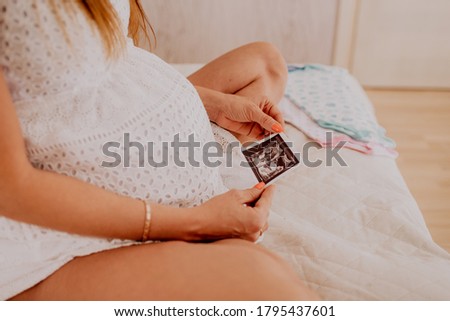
[354, 232]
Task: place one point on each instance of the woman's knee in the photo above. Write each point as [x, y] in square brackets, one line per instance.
[273, 61]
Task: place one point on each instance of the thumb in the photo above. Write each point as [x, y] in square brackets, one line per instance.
[251, 195]
[266, 122]
[265, 201]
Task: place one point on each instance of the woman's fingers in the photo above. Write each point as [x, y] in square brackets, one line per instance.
[262, 208]
[265, 201]
[265, 121]
[273, 111]
[224, 216]
[251, 195]
[247, 128]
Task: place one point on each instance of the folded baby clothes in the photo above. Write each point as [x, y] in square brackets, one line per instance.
[326, 137]
[336, 101]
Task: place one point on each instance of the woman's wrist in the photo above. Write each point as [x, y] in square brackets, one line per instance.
[213, 101]
[173, 223]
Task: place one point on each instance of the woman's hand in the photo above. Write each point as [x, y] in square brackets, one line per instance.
[253, 117]
[236, 214]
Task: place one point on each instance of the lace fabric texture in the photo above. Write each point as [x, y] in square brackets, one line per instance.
[70, 102]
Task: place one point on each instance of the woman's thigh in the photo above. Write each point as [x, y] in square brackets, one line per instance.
[224, 270]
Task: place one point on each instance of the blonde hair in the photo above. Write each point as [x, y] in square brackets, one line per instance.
[103, 16]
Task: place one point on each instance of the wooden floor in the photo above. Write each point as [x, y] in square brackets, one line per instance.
[420, 124]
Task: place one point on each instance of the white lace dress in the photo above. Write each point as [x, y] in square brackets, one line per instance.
[70, 102]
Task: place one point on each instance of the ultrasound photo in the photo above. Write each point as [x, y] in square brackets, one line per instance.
[270, 158]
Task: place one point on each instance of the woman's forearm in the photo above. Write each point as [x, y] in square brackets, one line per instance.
[67, 204]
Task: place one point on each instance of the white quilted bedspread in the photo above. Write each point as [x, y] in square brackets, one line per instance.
[355, 233]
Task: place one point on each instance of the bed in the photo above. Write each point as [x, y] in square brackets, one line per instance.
[355, 232]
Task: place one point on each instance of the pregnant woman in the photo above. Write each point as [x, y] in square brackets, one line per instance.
[71, 229]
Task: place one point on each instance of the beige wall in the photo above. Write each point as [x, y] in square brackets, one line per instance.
[199, 30]
[384, 43]
[395, 43]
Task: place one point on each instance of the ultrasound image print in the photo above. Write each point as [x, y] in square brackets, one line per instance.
[270, 158]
